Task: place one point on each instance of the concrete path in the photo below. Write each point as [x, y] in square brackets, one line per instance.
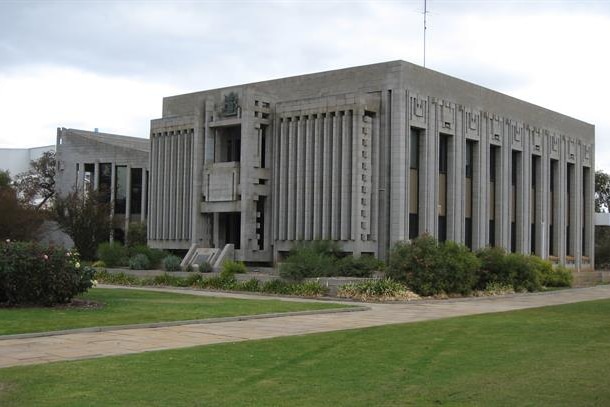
[14, 352]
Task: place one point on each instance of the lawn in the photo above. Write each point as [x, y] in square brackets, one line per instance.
[123, 307]
[554, 356]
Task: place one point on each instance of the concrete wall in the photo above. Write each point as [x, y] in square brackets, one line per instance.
[17, 160]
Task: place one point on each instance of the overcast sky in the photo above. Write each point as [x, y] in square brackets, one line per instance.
[108, 64]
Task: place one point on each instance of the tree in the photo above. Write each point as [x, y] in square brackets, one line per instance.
[602, 191]
[37, 185]
[17, 222]
[85, 219]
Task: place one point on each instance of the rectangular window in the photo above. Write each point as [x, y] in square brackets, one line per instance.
[136, 191]
[442, 153]
[105, 182]
[493, 153]
[469, 157]
[120, 189]
[414, 149]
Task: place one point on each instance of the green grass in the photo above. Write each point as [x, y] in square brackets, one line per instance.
[554, 356]
[124, 307]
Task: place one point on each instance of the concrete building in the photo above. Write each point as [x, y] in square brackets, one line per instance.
[369, 156]
[117, 166]
[17, 160]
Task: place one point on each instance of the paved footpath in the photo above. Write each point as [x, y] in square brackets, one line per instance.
[14, 352]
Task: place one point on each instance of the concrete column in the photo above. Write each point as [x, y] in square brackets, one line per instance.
[292, 169]
[300, 178]
[563, 190]
[398, 168]
[318, 160]
[544, 203]
[336, 178]
[428, 167]
[456, 165]
[309, 178]
[96, 175]
[590, 210]
[282, 207]
[578, 209]
[480, 188]
[503, 180]
[327, 177]
[112, 192]
[181, 204]
[346, 175]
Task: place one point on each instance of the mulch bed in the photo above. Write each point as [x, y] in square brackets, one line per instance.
[76, 303]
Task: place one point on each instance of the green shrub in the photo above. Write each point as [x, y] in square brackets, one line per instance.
[172, 263]
[417, 264]
[429, 268]
[525, 272]
[114, 254]
[377, 290]
[559, 276]
[194, 280]
[492, 268]
[362, 266]
[155, 256]
[169, 280]
[139, 262]
[220, 283]
[103, 276]
[42, 275]
[310, 259]
[277, 287]
[205, 267]
[522, 272]
[308, 289]
[230, 268]
[99, 264]
[252, 285]
[136, 234]
[459, 268]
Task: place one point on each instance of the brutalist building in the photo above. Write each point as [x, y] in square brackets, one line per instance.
[369, 156]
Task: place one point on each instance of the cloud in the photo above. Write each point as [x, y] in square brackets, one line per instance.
[108, 64]
[36, 101]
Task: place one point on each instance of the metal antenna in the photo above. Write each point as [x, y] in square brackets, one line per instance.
[425, 27]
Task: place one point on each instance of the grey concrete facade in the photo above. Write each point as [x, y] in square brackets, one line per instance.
[115, 165]
[369, 156]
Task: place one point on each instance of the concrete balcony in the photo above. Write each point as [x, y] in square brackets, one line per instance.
[221, 187]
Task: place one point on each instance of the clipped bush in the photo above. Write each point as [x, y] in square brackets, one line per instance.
[40, 275]
[155, 256]
[430, 268]
[230, 268]
[492, 268]
[310, 259]
[362, 266]
[417, 264]
[114, 254]
[99, 265]
[377, 290]
[459, 268]
[168, 279]
[136, 234]
[559, 276]
[205, 267]
[172, 263]
[139, 262]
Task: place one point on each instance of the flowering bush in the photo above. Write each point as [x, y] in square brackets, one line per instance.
[43, 275]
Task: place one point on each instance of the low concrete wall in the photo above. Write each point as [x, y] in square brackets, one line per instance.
[332, 283]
